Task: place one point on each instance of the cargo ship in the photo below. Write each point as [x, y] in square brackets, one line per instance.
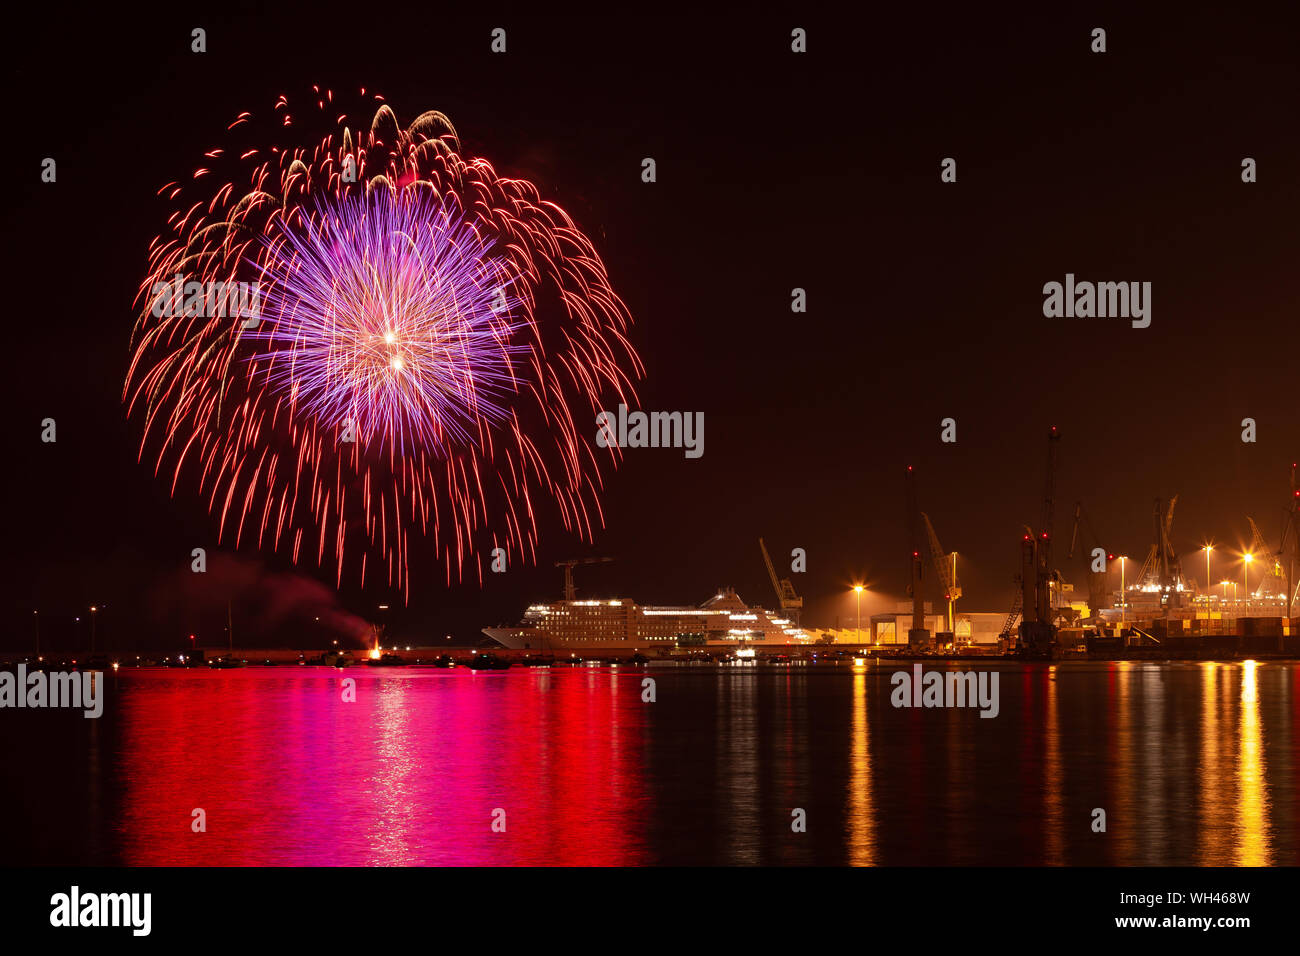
[724, 619]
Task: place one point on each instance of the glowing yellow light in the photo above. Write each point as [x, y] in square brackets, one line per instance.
[390, 338]
[397, 363]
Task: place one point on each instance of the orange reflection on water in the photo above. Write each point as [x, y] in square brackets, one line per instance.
[861, 819]
[1121, 674]
[1252, 838]
[1053, 784]
[1233, 796]
[1215, 800]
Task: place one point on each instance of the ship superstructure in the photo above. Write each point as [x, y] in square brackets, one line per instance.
[724, 619]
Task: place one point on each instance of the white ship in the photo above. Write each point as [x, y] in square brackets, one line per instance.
[724, 619]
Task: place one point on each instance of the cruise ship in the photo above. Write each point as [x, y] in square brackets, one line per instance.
[723, 619]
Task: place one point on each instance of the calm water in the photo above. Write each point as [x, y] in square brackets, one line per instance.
[1193, 763]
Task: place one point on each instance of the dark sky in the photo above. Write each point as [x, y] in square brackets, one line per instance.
[775, 170]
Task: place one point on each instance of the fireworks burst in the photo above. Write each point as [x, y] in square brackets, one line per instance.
[419, 364]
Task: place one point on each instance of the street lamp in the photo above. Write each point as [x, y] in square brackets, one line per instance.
[93, 615]
[1208, 549]
[1246, 571]
[857, 589]
[1123, 594]
[952, 598]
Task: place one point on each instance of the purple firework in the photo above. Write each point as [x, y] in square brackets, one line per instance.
[388, 315]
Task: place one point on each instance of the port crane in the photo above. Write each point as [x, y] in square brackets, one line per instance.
[1162, 568]
[946, 565]
[570, 591]
[1289, 548]
[1036, 572]
[1097, 580]
[1012, 616]
[791, 603]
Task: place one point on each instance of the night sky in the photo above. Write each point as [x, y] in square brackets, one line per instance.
[775, 171]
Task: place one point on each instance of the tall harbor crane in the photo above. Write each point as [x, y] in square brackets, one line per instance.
[1036, 571]
[917, 634]
[1289, 549]
[791, 603]
[570, 592]
[1163, 570]
[946, 565]
[1098, 592]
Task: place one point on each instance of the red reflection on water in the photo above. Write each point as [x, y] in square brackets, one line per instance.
[411, 773]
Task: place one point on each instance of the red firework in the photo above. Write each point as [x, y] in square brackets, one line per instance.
[302, 303]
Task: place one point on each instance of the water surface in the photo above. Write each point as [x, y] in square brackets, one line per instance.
[1193, 764]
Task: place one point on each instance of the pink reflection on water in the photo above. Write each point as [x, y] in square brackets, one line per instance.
[409, 774]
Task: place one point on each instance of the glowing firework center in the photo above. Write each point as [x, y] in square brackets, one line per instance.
[386, 317]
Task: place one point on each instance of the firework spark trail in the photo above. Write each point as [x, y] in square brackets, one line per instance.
[462, 329]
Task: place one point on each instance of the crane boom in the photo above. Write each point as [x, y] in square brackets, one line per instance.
[771, 571]
[790, 602]
[570, 592]
[1257, 545]
[1273, 571]
[942, 562]
[1096, 579]
[946, 565]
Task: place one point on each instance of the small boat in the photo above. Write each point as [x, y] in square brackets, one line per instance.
[487, 662]
[537, 660]
[638, 660]
[225, 663]
[443, 660]
[386, 660]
